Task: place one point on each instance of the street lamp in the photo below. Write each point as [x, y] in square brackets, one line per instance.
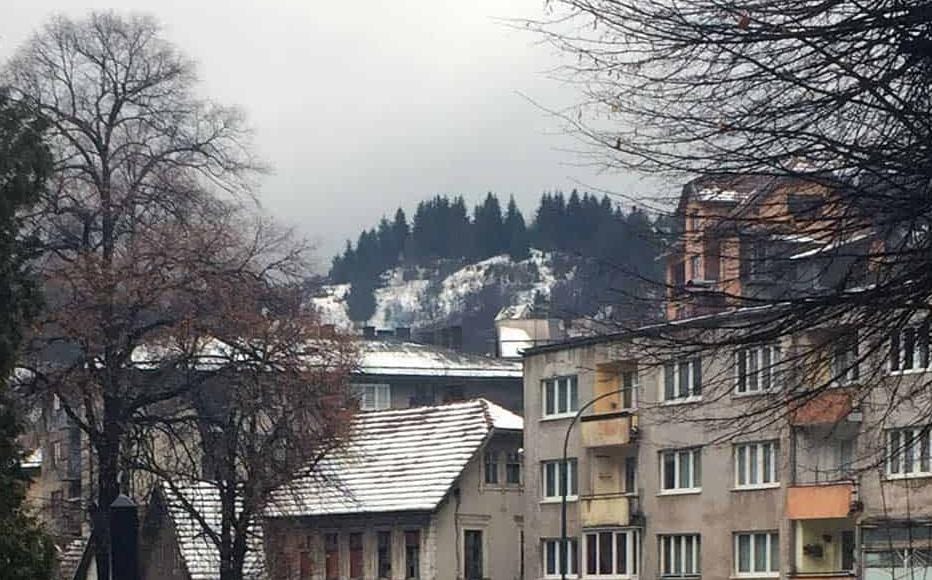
[563, 556]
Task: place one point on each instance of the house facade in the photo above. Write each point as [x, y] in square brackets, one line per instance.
[426, 493]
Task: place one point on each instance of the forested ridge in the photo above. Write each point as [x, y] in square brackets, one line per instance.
[443, 228]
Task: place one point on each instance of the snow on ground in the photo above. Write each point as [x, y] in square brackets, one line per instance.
[401, 302]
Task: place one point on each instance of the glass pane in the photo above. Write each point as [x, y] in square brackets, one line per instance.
[767, 463]
[741, 464]
[669, 470]
[924, 452]
[574, 394]
[697, 468]
[752, 369]
[667, 555]
[562, 395]
[550, 554]
[753, 472]
[766, 368]
[760, 552]
[550, 480]
[549, 398]
[908, 444]
[621, 553]
[685, 479]
[684, 379]
[591, 559]
[742, 370]
[605, 553]
[668, 381]
[687, 555]
[895, 351]
[893, 452]
[909, 347]
[774, 552]
[697, 376]
[677, 554]
[744, 553]
[573, 479]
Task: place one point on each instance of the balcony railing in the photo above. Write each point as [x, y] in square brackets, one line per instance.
[608, 429]
[821, 501]
[608, 509]
[826, 408]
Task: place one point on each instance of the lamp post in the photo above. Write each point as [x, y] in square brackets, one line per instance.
[563, 556]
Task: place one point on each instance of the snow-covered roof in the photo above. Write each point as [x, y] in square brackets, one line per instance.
[392, 357]
[33, 460]
[400, 460]
[199, 552]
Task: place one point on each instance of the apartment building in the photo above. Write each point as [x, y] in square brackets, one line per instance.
[766, 460]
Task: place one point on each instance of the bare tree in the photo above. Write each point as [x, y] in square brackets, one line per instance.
[139, 245]
[280, 404]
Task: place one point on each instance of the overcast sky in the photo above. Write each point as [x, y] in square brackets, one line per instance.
[360, 107]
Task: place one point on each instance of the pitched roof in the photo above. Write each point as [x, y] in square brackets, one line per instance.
[400, 460]
[394, 357]
[198, 551]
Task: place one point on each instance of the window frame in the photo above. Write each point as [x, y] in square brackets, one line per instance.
[572, 480]
[490, 465]
[675, 368]
[769, 572]
[381, 396]
[759, 463]
[513, 460]
[570, 398]
[632, 552]
[921, 347]
[571, 548]
[695, 455]
[696, 553]
[742, 358]
[846, 345]
[899, 453]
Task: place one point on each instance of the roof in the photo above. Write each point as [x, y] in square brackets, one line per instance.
[200, 554]
[395, 357]
[33, 460]
[400, 460]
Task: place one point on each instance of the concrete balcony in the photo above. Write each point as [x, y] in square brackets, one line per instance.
[821, 501]
[608, 429]
[825, 408]
[607, 509]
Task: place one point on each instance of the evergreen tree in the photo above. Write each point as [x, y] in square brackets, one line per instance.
[25, 550]
[516, 232]
[400, 232]
[488, 228]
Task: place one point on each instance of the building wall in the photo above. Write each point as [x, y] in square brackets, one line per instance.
[407, 391]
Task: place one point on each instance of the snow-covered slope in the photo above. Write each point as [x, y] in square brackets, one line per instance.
[429, 296]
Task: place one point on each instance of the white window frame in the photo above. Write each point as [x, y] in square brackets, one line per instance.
[373, 396]
[920, 350]
[572, 480]
[632, 554]
[901, 455]
[770, 558]
[551, 544]
[568, 387]
[755, 460]
[693, 391]
[630, 391]
[694, 455]
[688, 545]
[769, 372]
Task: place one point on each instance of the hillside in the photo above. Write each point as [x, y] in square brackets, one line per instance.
[451, 292]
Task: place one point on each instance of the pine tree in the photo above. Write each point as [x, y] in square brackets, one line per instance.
[516, 232]
[488, 228]
[25, 550]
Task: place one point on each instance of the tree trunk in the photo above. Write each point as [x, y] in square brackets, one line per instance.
[108, 488]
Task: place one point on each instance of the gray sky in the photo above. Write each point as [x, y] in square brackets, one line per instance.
[360, 107]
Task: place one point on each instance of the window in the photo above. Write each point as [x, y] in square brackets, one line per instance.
[757, 554]
[472, 554]
[384, 554]
[695, 267]
[561, 395]
[909, 349]
[845, 359]
[629, 384]
[355, 555]
[513, 468]
[756, 369]
[555, 562]
[332, 556]
[908, 452]
[680, 555]
[491, 467]
[760, 264]
[58, 452]
[756, 464]
[631, 477]
[412, 554]
[682, 380]
[555, 473]
[611, 553]
[681, 469]
[373, 397]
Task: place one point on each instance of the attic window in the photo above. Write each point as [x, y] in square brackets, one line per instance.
[373, 397]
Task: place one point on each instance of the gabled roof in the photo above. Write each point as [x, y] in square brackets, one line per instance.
[394, 357]
[199, 552]
[400, 460]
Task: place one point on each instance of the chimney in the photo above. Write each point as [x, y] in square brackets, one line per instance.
[403, 333]
[368, 332]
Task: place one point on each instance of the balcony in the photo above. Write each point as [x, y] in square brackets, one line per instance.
[826, 408]
[608, 429]
[607, 509]
[821, 501]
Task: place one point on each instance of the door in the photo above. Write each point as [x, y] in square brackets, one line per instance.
[472, 546]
